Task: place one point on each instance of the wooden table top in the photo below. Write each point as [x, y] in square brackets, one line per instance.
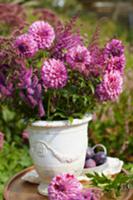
[17, 189]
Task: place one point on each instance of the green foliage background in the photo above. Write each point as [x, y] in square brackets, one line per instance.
[112, 124]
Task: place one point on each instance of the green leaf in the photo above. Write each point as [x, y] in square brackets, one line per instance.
[70, 119]
[7, 114]
[113, 186]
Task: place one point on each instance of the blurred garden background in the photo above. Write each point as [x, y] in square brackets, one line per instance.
[112, 124]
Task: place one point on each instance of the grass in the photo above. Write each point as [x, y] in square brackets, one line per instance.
[12, 160]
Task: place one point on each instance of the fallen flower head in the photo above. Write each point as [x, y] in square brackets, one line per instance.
[64, 187]
[67, 187]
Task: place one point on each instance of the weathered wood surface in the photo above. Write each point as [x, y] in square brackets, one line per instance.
[16, 189]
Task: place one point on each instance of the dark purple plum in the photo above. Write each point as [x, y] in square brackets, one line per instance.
[89, 153]
[100, 157]
[90, 163]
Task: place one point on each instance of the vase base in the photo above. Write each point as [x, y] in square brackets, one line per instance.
[43, 189]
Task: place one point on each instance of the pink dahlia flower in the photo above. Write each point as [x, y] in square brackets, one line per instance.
[110, 87]
[26, 45]
[1, 140]
[54, 74]
[64, 187]
[114, 48]
[78, 58]
[43, 34]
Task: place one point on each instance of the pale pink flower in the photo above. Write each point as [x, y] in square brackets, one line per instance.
[25, 135]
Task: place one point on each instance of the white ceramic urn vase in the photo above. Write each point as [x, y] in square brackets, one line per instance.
[58, 147]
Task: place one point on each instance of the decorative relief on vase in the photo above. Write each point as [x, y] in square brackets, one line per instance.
[40, 148]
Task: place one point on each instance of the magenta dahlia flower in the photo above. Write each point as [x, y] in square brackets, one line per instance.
[64, 187]
[43, 34]
[117, 63]
[114, 48]
[78, 58]
[110, 87]
[54, 74]
[26, 45]
[1, 140]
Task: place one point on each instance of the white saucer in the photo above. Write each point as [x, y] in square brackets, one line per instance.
[111, 167]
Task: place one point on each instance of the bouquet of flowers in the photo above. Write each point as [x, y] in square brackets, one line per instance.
[54, 73]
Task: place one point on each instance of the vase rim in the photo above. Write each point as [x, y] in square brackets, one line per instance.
[60, 123]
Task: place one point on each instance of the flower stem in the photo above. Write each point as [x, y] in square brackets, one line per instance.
[48, 111]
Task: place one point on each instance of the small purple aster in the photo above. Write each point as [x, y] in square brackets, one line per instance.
[110, 87]
[54, 74]
[1, 140]
[43, 34]
[114, 48]
[78, 58]
[26, 45]
[64, 187]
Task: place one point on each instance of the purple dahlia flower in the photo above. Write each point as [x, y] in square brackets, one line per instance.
[54, 74]
[110, 87]
[114, 48]
[1, 140]
[43, 34]
[78, 58]
[64, 187]
[26, 45]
